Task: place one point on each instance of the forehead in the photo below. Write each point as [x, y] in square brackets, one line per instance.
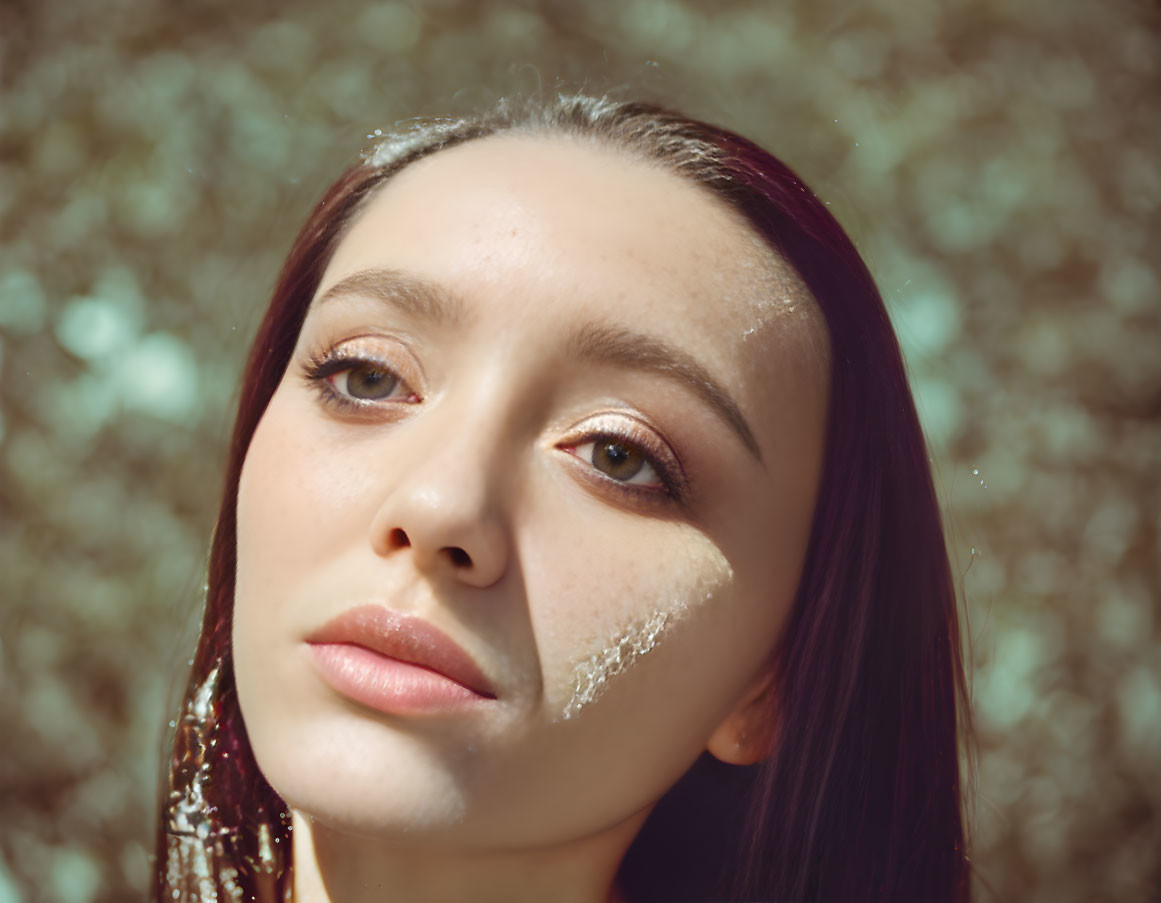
[584, 224]
[543, 233]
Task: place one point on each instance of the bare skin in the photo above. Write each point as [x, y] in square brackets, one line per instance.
[496, 456]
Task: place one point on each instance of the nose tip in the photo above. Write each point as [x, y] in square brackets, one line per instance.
[481, 567]
[444, 502]
[459, 558]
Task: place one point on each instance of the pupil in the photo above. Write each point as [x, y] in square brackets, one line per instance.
[618, 461]
[366, 382]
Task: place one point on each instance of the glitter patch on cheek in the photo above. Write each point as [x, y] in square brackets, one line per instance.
[634, 638]
[591, 676]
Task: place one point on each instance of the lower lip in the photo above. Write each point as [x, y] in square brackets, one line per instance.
[389, 685]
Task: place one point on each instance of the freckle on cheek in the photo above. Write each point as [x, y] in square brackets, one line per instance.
[592, 675]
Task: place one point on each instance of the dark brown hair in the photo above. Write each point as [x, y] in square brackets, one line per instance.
[862, 798]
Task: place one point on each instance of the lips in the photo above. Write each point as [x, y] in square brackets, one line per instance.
[405, 638]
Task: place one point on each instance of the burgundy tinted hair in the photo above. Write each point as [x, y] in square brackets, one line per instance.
[862, 799]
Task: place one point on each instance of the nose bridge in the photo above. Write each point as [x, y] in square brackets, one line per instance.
[447, 504]
[455, 468]
[463, 438]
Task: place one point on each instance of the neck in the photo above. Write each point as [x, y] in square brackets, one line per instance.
[335, 867]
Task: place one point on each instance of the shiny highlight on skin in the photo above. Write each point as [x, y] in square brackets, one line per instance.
[779, 294]
[592, 675]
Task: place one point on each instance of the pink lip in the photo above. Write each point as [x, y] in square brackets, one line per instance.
[396, 663]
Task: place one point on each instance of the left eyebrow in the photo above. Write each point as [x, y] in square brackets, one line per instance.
[610, 344]
[407, 293]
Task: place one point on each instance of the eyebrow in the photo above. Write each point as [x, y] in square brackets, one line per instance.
[610, 344]
[405, 292]
[594, 342]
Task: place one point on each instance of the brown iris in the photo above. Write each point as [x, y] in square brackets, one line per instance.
[370, 382]
[617, 460]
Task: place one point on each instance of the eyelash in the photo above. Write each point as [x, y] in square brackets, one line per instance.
[321, 366]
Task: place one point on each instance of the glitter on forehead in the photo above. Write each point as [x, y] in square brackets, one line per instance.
[776, 291]
[404, 139]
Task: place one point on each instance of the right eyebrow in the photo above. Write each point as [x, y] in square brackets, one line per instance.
[612, 344]
[404, 292]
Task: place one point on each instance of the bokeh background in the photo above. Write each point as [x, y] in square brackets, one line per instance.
[997, 162]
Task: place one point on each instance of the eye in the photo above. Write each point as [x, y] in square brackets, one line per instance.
[366, 382]
[354, 380]
[622, 452]
[619, 460]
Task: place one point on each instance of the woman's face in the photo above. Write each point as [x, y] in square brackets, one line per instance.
[564, 407]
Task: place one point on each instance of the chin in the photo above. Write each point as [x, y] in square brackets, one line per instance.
[363, 777]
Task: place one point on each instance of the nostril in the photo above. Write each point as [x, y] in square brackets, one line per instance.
[459, 557]
[398, 539]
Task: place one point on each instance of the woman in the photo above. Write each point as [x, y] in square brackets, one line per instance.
[578, 543]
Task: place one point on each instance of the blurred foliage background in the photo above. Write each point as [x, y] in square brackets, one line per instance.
[997, 163]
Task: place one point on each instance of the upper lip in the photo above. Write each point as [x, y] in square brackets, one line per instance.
[406, 638]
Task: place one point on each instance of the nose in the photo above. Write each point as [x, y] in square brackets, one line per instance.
[446, 513]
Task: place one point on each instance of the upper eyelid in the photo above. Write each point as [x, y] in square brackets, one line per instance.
[402, 363]
[640, 432]
[332, 365]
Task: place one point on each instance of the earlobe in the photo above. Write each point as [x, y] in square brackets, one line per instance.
[749, 733]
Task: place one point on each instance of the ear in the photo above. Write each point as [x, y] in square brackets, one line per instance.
[749, 733]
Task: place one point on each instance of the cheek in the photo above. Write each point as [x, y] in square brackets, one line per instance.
[282, 534]
[612, 609]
